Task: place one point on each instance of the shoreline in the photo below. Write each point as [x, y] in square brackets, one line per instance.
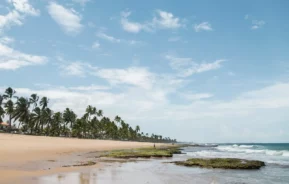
[23, 156]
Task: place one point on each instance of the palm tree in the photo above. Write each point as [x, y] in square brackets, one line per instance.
[57, 123]
[118, 120]
[99, 113]
[44, 102]
[2, 111]
[34, 99]
[48, 117]
[22, 112]
[37, 119]
[78, 128]
[42, 120]
[69, 117]
[137, 129]
[9, 95]
[90, 111]
[9, 109]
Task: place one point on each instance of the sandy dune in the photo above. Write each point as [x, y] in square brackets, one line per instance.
[22, 155]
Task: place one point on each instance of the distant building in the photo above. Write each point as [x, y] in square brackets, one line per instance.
[4, 124]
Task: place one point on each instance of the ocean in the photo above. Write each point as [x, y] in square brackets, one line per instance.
[159, 171]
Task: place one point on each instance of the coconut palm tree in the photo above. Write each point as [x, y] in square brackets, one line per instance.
[69, 117]
[118, 120]
[2, 111]
[34, 99]
[99, 113]
[47, 118]
[9, 95]
[22, 112]
[37, 119]
[57, 122]
[90, 111]
[44, 102]
[137, 129]
[9, 109]
[42, 120]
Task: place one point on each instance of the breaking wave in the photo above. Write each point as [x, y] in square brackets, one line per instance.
[252, 149]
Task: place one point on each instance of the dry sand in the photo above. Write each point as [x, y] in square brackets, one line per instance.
[28, 156]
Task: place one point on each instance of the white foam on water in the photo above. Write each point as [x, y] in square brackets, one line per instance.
[248, 149]
[251, 152]
[246, 146]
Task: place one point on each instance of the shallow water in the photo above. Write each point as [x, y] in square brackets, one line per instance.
[160, 172]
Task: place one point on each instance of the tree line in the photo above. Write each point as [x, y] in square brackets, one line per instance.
[34, 117]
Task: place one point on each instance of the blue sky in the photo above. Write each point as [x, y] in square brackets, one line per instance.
[201, 71]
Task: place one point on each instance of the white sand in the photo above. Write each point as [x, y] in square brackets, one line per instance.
[19, 153]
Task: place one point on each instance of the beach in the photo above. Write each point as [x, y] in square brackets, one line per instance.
[162, 171]
[23, 156]
[49, 160]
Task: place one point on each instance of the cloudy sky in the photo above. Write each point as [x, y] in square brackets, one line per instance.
[201, 70]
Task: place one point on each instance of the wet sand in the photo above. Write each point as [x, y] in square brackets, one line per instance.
[161, 171]
[31, 156]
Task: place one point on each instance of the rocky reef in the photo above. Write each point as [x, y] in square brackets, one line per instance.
[222, 163]
[144, 153]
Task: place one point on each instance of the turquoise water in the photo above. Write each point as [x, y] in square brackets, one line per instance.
[275, 153]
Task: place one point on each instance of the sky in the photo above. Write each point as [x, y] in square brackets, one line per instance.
[202, 70]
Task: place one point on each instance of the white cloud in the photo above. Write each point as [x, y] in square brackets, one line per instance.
[89, 88]
[107, 37]
[146, 98]
[133, 27]
[23, 6]
[129, 26]
[112, 39]
[12, 59]
[74, 68]
[136, 76]
[12, 18]
[204, 26]
[269, 97]
[95, 45]
[256, 24]
[6, 40]
[166, 20]
[196, 96]
[68, 19]
[81, 2]
[187, 67]
[16, 16]
[223, 120]
[162, 20]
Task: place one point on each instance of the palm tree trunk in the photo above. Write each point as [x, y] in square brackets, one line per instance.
[10, 123]
[41, 128]
[64, 129]
[48, 129]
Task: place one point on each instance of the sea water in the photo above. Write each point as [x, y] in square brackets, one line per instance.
[158, 171]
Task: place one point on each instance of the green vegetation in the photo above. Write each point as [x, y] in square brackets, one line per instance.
[88, 163]
[34, 117]
[144, 153]
[223, 163]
